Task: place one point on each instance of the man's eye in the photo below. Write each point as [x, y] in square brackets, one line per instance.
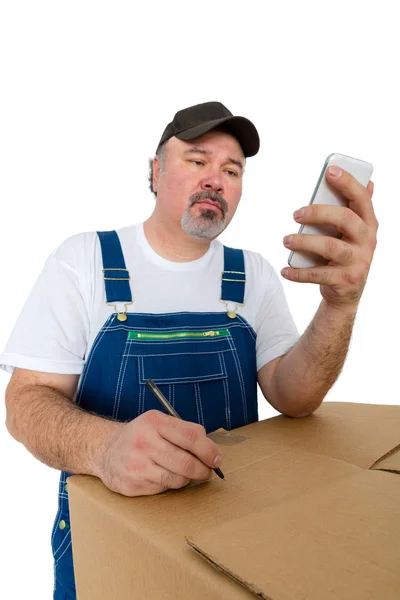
[198, 162]
[233, 173]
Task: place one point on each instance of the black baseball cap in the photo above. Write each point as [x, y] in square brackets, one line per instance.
[190, 123]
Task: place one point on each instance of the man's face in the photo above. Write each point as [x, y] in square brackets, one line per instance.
[200, 184]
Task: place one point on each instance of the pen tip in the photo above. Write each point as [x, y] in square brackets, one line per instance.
[219, 473]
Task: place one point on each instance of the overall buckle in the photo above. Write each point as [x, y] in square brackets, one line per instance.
[121, 316]
[231, 313]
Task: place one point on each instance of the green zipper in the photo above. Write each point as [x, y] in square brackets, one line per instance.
[136, 335]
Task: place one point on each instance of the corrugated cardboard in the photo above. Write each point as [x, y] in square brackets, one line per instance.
[309, 510]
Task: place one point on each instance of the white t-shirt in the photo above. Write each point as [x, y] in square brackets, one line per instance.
[67, 306]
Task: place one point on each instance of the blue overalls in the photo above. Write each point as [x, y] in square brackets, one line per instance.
[204, 363]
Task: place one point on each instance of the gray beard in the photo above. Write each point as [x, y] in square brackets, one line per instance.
[207, 226]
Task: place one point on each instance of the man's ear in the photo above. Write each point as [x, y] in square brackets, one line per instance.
[156, 172]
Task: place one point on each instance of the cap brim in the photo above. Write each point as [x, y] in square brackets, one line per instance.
[240, 127]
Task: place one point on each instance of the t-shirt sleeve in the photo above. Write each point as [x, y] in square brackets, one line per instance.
[51, 333]
[275, 327]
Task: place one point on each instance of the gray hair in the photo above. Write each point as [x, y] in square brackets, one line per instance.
[161, 157]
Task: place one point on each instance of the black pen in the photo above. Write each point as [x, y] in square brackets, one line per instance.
[171, 411]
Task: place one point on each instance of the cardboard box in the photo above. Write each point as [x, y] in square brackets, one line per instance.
[309, 510]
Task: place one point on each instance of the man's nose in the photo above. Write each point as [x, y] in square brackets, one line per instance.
[213, 184]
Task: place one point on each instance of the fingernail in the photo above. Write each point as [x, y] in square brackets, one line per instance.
[334, 171]
[217, 461]
[285, 272]
[287, 240]
[298, 213]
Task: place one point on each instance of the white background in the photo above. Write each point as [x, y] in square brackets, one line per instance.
[87, 89]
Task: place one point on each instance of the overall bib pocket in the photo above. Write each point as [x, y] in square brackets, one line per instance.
[190, 367]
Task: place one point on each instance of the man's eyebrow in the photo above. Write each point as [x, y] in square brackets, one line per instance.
[196, 150]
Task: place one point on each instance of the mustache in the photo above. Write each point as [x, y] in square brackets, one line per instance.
[204, 195]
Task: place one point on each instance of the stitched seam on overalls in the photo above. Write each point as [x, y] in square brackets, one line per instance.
[198, 378]
[222, 325]
[62, 497]
[200, 417]
[70, 541]
[142, 390]
[179, 341]
[240, 376]
[247, 326]
[191, 378]
[57, 522]
[180, 353]
[63, 481]
[92, 352]
[58, 515]
[183, 312]
[173, 394]
[227, 399]
[118, 390]
[61, 544]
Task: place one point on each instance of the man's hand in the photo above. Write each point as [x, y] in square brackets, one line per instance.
[342, 281]
[156, 452]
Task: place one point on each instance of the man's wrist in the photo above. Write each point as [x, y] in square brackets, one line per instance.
[340, 311]
[105, 434]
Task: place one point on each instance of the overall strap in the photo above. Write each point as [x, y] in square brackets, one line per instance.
[115, 273]
[233, 277]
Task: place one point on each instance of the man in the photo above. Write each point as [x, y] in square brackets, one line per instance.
[111, 311]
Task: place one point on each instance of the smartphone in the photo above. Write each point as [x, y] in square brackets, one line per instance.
[326, 194]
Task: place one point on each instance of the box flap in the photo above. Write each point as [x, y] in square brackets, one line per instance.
[360, 434]
[389, 462]
[341, 541]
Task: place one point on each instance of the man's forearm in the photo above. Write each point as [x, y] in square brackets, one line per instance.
[56, 431]
[305, 375]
